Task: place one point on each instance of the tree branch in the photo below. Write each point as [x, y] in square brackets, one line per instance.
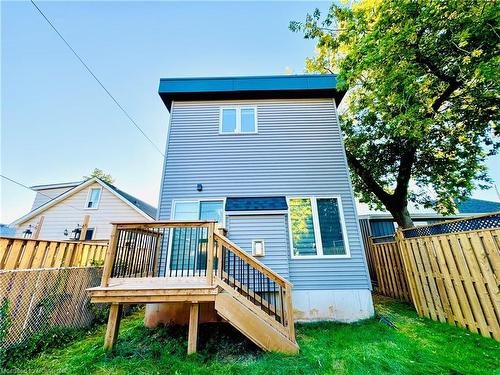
[367, 178]
[453, 83]
[445, 96]
[404, 173]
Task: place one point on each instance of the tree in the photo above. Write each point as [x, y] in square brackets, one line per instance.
[421, 110]
[100, 175]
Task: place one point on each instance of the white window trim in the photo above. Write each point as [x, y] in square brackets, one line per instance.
[263, 248]
[238, 109]
[88, 198]
[172, 211]
[317, 232]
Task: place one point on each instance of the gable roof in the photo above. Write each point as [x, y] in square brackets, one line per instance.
[250, 87]
[140, 206]
[478, 206]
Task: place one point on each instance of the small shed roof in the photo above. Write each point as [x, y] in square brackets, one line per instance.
[256, 203]
[250, 87]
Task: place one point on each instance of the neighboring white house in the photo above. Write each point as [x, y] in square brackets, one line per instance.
[61, 210]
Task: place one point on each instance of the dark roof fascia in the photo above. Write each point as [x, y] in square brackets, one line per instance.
[252, 87]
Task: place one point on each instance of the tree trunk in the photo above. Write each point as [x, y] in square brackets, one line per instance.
[402, 217]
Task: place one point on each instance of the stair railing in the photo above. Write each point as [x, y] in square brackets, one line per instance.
[249, 280]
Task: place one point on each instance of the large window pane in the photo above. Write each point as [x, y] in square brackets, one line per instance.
[301, 218]
[211, 210]
[186, 211]
[330, 227]
[247, 120]
[229, 120]
[184, 243]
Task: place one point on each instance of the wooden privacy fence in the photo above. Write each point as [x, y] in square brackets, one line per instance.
[21, 253]
[452, 271]
[385, 258]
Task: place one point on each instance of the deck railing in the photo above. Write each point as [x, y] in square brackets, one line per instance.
[193, 249]
[238, 272]
[160, 249]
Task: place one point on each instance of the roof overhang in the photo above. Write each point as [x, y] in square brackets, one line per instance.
[56, 186]
[253, 87]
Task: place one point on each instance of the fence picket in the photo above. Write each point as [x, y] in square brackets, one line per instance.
[24, 253]
[450, 271]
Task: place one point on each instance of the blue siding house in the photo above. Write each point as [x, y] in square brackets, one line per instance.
[263, 156]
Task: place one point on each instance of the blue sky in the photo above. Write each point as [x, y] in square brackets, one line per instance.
[57, 124]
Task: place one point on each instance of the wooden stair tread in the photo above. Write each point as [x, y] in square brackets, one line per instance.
[252, 326]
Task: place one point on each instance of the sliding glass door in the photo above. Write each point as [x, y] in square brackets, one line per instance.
[188, 249]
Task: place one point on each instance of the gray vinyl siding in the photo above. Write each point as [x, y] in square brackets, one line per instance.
[270, 228]
[297, 152]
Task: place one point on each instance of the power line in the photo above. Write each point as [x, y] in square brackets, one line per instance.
[97, 79]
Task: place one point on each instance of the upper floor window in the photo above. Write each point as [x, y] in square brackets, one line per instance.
[93, 198]
[317, 227]
[238, 120]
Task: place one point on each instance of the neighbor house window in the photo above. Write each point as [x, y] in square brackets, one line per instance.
[316, 227]
[93, 198]
[238, 120]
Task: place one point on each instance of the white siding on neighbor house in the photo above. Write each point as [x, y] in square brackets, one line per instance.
[70, 212]
[297, 152]
[43, 196]
[242, 230]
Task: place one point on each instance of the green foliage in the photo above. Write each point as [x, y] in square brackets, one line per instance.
[99, 173]
[54, 337]
[417, 346]
[422, 106]
[4, 327]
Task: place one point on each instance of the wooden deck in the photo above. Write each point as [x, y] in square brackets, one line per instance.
[154, 289]
[247, 294]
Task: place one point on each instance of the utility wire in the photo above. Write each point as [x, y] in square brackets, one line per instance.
[97, 79]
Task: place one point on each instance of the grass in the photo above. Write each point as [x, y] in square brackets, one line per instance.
[417, 346]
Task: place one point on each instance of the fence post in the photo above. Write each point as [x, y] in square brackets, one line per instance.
[85, 226]
[210, 253]
[400, 241]
[289, 312]
[110, 257]
[38, 227]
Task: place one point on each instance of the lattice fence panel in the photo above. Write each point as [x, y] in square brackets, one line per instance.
[455, 226]
[42, 298]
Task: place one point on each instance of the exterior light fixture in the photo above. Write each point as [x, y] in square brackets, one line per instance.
[65, 232]
[27, 232]
[199, 187]
[76, 232]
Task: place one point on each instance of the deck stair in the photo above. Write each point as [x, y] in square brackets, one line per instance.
[204, 267]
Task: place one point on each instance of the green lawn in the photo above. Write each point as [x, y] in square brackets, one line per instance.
[417, 346]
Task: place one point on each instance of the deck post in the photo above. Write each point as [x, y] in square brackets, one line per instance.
[109, 258]
[210, 253]
[289, 312]
[115, 315]
[193, 327]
